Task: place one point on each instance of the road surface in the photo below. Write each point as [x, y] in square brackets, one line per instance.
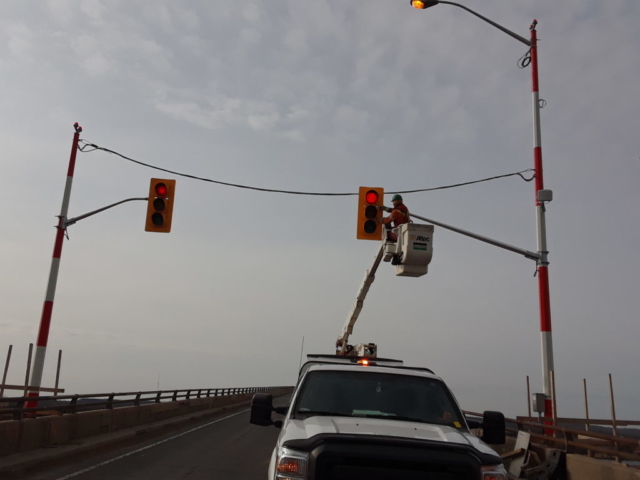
[225, 447]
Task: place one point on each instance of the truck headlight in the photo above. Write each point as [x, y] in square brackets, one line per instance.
[494, 472]
[292, 465]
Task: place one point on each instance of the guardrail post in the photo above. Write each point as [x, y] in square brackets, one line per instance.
[208, 393]
[136, 402]
[20, 404]
[73, 404]
[188, 394]
[109, 405]
[199, 393]
[215, 392]
[158, 397]
[175, 396]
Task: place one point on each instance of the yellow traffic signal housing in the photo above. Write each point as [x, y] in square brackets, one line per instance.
[369, 213]
[160, 205]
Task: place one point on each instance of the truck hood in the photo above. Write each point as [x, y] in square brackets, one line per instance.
[312, 426]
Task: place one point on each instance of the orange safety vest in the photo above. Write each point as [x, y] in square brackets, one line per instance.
[399, 215]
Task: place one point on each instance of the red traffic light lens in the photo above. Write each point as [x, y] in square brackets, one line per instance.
[161, 190]
[371, 196]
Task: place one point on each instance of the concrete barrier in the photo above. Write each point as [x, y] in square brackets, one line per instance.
[33, 434]
[87, 424]
[59, 430]
[18, 436]
[9, 437]
[580, 467]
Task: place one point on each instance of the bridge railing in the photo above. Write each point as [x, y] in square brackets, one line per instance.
[565, 437]
[14, 407]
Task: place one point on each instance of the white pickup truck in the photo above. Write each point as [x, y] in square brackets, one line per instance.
[376, 419]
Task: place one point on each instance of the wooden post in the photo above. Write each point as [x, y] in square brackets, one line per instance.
[26, 380]
[58, 370]
[586, 409]
[528, 397]
[553, 400]
[613, 407]
[613, 413]
[6, 370]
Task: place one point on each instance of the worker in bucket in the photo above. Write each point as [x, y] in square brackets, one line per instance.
[399, 215]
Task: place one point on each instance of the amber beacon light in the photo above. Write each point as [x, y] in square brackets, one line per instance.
[422, 4]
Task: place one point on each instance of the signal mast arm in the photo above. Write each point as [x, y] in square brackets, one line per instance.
[343, 339]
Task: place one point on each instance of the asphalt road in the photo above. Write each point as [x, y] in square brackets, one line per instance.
[225, 447]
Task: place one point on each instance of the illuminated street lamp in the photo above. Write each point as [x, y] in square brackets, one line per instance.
[542, 196]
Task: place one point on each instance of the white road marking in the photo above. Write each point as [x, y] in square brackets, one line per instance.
[148, 447]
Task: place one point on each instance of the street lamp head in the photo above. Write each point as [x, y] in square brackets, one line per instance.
[423, 4]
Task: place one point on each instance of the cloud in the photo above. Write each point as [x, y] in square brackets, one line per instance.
[320, 96]
[20, 40]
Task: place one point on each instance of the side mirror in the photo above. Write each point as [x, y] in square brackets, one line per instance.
[494, 429]
[282, 410]
[261, 408]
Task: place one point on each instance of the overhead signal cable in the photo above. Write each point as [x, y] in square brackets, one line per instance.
[91, 147]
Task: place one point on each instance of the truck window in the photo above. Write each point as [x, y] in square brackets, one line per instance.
[378, 395]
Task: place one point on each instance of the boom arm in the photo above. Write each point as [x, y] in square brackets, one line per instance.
[343, 339]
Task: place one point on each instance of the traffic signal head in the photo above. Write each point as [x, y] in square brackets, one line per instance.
[369, 213]
[160, 205]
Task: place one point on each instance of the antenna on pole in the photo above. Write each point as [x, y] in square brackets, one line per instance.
[301, 350]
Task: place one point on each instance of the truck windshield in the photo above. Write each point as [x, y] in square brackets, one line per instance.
[377, 395]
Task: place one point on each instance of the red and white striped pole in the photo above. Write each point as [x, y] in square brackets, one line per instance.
[47, 309]
[543, 263]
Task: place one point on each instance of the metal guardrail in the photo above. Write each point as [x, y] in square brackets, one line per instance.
[69, 404]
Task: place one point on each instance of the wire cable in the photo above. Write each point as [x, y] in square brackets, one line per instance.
[87, 147]
[525, 60]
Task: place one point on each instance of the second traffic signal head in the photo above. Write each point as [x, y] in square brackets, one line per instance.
[160, 205]
[370, 199]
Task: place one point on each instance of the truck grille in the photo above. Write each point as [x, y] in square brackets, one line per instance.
[384, 470]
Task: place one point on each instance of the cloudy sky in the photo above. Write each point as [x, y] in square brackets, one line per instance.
[320, 96]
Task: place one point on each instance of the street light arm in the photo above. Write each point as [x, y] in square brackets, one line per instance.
[490, 241]
[72, 221]
[491, 22]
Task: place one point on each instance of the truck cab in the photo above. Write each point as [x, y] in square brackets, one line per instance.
[373, 418]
